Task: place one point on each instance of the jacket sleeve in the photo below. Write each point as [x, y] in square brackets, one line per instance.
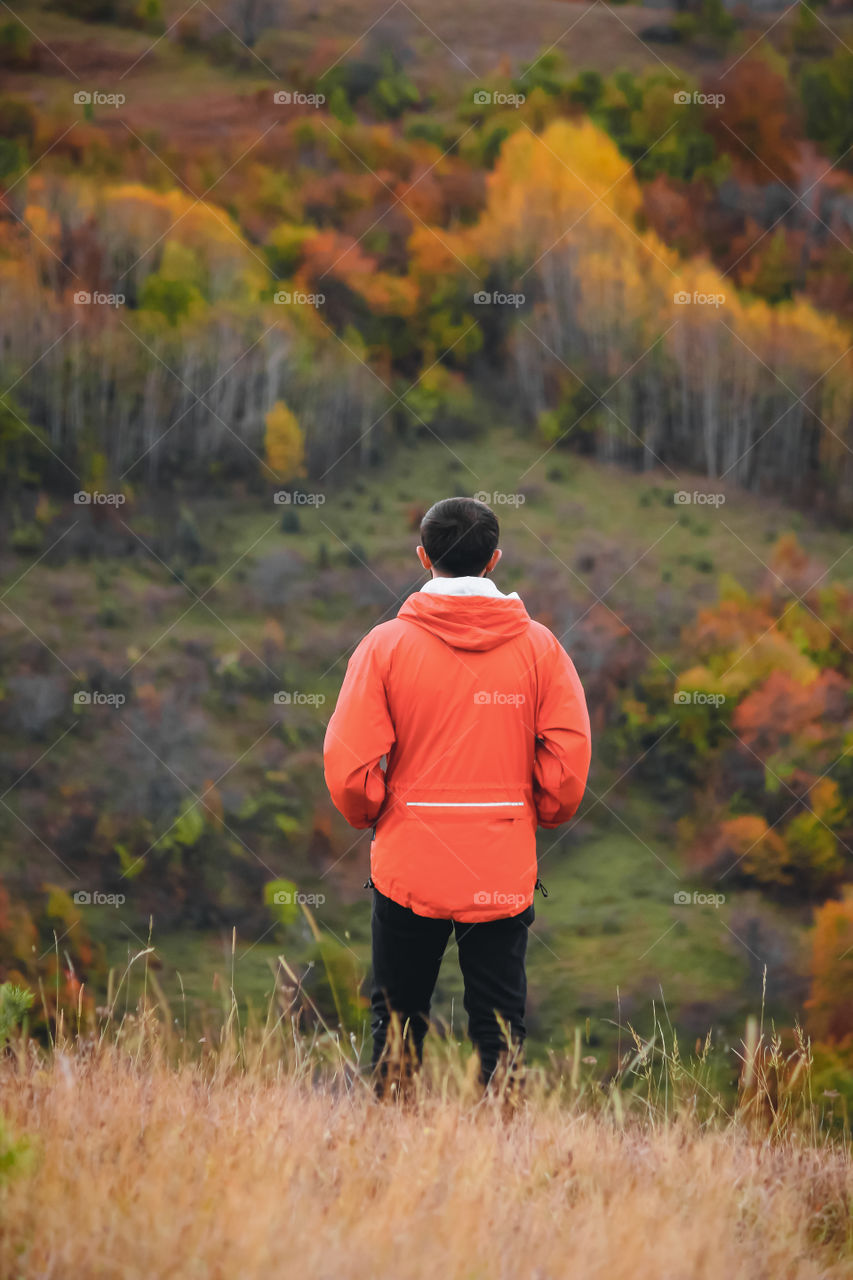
[358, 735]
[561, 762]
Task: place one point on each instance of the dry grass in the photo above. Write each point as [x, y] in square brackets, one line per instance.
[129, 1149]
[242, 1168]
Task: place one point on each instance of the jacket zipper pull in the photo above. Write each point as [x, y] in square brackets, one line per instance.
[540, 886]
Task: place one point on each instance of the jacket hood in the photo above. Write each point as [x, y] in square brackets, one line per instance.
[467, 621]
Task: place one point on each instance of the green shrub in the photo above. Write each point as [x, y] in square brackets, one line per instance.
[14, 1003]
[16, 46]
[826, 90]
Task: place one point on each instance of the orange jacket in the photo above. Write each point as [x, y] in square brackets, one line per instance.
[482, 718]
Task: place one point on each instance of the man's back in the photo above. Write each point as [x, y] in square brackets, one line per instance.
[483, 721]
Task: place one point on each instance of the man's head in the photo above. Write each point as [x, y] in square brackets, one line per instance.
[459, 538]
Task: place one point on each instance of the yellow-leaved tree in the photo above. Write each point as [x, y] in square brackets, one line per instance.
[284, 443]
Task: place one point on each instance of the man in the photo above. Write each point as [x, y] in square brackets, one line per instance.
[461, 725]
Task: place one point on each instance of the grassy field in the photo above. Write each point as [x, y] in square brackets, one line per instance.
[450, 48]
[449, 43]
[609, 944]
[248, 1162]
[608, 947]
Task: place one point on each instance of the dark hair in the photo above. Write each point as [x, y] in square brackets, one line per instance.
[460, 535]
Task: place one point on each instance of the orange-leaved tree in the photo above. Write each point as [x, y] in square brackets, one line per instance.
[830, 1005]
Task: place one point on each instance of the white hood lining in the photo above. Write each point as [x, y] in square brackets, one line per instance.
[466, 586]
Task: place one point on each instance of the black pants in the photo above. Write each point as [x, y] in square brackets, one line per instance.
[407, 951]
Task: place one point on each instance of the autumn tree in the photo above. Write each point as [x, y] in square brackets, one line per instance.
[284, 443]
[756, 123]
[830, 1005]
